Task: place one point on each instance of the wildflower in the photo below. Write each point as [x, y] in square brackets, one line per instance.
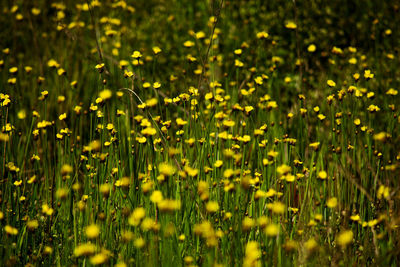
[332, 202]
[247, 223]
[188, 44]
[136, 54]
[166, 169]
[355, 218]
[272, 230]
[62, 116]
[311, 48]
[373, 108]
[368, 75]
[212, 206]
[66, 169]
[218, 163]
[381, 137]
[238, 63]
[331, 83]
[156, 50]
[32, 225]
[311, 245]
[62, 193]
[169, 205]
[105, 190]
[156, 197]
[10, 230]
[252, 254]
[46, 209]
[345, 238]
[276, 207]
[262, 35]
[99, 67]
[383, 191]
[283, 169]
[315, 145]
[84, 250]
[105, 94]
[48, 250]
[290, 25]
[238, 51]
[392, 92]
[181, 122]
[99, 258]
[92, 231]
[156, 85]
[139, 242]
[322, 175]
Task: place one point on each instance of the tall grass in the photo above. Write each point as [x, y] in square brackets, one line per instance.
[199, 133]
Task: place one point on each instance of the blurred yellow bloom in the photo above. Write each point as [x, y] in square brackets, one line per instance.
[345, 238]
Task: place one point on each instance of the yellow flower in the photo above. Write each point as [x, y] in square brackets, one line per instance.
[149, 131]
[92, 231]
[353, 61]
[383, 191]
[48, 250]
[276, 207]
[322, 175]
[181, 122]
[166, 169]
[283, 169]
[10, 230]
[238, 63]
[381, 137]
[311, 48]
[391, 92]
[212, 206]
[136, 216]
[272, 230]
[99, 258]
[156, 50]
[156, 85]
[331, 83]
[62, 193]
[262, 35]
[136, 55]
[47, 210]
[291, 25]
[156, 196]
[18, 183]
[139, 242]
[169, 205]
[62, 116]
[151, 102]
[345, 238]
[332, 202]
[368, 75]
[188, 44]
[373, 108]
[84, 250]
[311, 244]
[218, 163]
[13, 70]
[355, 218]
[66, 169]
[252, 254]
[105, 94]
[32, 224]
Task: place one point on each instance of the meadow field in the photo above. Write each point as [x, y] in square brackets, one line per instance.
[199, 133]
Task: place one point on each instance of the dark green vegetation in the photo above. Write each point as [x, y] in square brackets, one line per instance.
[208, 133]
